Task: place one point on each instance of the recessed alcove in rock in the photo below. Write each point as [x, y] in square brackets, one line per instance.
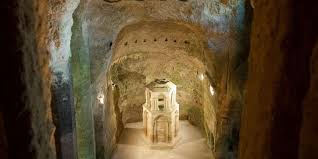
[161, 134]
[150, 50]
[132, 43]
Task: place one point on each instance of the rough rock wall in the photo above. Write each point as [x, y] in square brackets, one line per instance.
[14, 109]
[37, 77]
[282, 41]
[308, 148]
[59, 25]
[210, 109]
[98, 106]
[108, 123]
[113, 123]
[27, 115]
[231, 88]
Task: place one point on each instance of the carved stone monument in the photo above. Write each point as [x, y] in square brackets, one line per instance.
[161, 113]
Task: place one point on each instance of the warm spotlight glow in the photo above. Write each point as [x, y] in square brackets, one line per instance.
[201, 77]
[101, 98]
[212, 90]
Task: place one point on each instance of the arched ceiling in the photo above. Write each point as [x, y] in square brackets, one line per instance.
[199, 33]
[104, 20]
[195, 33]
[150, 50]
[159, 36]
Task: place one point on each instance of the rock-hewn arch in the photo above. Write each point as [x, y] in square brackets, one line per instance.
[152, 49]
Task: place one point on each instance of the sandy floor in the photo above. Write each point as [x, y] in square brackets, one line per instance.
[191, 145]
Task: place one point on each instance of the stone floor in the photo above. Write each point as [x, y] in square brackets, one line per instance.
[192, 145]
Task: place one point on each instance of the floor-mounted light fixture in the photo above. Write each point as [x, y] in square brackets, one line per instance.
[201, 76]
[100, 97]
[212, 90]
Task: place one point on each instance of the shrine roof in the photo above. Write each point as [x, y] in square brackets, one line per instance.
[161, 85]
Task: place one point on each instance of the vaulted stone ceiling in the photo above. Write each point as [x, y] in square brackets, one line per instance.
[104, 20]
[149, 50]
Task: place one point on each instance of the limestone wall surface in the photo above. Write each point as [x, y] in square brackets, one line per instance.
[280, 97]
[26, 109]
